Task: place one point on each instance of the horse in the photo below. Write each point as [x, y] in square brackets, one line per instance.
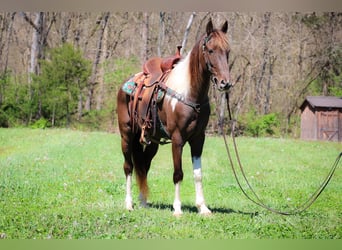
[183, 113]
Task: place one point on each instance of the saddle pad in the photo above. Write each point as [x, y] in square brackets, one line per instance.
[130, 86]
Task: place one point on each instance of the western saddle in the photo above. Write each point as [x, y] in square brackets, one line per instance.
[149, 90]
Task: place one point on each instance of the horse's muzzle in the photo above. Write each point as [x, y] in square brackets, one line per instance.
[222, 85]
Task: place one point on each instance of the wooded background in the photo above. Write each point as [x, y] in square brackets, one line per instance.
[64, 68]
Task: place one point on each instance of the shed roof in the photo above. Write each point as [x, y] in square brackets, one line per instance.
[323, 101]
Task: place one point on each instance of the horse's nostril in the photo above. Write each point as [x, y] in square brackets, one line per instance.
[215, 80]
[225, 85]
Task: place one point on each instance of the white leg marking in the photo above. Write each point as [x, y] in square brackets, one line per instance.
[200, 203]
[129, 200]
[177, 203]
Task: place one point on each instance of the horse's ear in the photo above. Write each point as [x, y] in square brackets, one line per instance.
[225, 27]
[210, 27]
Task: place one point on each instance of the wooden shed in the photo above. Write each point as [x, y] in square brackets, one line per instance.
[321, 118]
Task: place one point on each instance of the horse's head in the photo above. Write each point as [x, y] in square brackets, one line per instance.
[216, 54]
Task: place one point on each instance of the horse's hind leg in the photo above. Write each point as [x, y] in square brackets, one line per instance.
[126, 144]
[142, 157]
[128, 169]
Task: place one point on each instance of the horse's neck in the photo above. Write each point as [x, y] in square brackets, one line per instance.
[199, 74]
[190, 77]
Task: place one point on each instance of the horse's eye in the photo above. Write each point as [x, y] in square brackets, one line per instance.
[210, 51]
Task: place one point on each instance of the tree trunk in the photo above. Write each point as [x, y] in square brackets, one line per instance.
[267, 105]
[187, 31]
[4, 51]
[65, 26]
[161, 33]
[144, 35]
[102, 59]
[36, 43]
[39, 41]
[35, 55]
[93, 78]
[265, 59]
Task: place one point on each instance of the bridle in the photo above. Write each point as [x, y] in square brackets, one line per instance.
[209, 64]
[205, 54]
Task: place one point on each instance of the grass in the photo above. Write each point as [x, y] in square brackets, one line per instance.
[64, 184]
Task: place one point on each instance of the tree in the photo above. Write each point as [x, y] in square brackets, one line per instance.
[144, 36]
[101, 25]
[62, 79]
[187, 31]
[6, 28]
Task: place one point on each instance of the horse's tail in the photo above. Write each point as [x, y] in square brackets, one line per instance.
[141, 177]
[140, 167]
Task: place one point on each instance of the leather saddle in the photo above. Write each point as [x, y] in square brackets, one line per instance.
[147, 95]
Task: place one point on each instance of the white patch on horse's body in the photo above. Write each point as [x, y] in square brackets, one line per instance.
[197, 169]
[179, 80]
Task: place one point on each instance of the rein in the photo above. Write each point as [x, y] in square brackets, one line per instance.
[256, 199]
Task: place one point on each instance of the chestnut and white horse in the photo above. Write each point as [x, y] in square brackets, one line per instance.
[184, 116]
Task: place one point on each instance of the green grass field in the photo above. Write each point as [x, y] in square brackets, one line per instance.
[64, 184]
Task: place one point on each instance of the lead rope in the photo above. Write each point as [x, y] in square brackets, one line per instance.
[256, 199]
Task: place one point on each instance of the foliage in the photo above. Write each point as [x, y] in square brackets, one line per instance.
[116, 72]
[259, 125]
[15, 104]
[63, 78]
[41, 123]
[64, 184]
[336, 90]
[119, 69]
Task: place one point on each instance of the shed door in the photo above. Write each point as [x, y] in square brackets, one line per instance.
[328, 125]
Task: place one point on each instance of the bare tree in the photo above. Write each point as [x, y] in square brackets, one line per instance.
[145, 36]
[101, 90]
[161, 36]
[187, 31]
[101, 23]
[6, 28]
[41, 28]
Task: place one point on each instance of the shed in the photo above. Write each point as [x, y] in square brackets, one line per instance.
[321, 118]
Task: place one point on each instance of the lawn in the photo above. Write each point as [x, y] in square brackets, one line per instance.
[65, 184]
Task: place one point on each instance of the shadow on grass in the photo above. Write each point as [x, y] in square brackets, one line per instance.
[192, 209]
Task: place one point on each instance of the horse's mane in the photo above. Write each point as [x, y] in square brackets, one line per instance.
[197, 62]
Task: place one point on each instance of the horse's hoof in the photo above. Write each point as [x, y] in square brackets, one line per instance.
[177, 214]
[129, 206]
[203, 210]
[206, 213]
[143, 201]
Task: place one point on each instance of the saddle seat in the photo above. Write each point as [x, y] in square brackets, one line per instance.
[156, 66]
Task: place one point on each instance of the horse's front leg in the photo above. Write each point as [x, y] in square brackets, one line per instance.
[196, 146]
[200, 202]
[177, 149]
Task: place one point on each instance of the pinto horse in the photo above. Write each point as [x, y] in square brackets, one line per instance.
[184, 115]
